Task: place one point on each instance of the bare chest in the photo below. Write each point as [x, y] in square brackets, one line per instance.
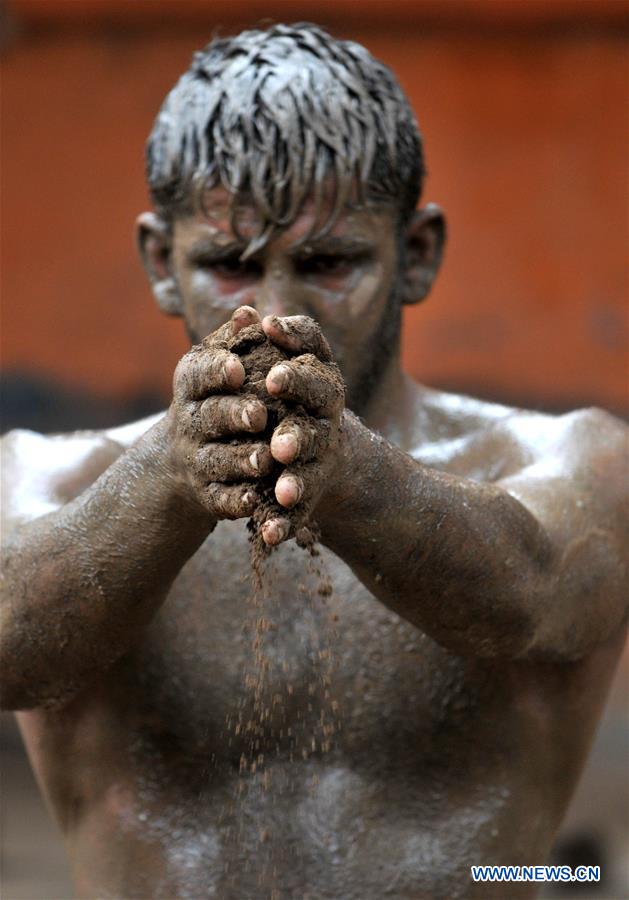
[308, 728]
[306, 663]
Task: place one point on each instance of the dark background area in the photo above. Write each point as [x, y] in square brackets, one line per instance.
[523, 105]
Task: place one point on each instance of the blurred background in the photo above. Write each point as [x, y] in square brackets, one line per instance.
[524, 110]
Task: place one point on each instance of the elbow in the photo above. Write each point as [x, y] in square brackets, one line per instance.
[15, 688]
[21, 694]
[14, 698]
[501, 628]
[25, 683]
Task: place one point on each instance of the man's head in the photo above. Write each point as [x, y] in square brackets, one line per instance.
[288, 132]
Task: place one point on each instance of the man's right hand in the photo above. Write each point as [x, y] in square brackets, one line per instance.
[211, 425]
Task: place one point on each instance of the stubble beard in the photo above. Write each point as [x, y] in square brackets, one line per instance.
[377, 355]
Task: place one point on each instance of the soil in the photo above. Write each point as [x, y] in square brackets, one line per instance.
[314, 730]
[258, 355]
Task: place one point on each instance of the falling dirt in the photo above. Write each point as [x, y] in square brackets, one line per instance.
[267, 721]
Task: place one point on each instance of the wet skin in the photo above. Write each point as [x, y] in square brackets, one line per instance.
[460, 662]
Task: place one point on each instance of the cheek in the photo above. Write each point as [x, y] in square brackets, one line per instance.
[353, 298]
[362, 299]
[208, 302]
[219, 293]
[350, 316]
[358, 307]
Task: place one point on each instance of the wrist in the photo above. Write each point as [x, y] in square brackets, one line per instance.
[165, 452]
[340, 480]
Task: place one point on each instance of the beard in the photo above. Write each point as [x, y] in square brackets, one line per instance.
[376, 355]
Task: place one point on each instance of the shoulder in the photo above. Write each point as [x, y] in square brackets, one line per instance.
[575, 476]
[489, 441]
[458, 415]
[574, 439]
[40, 473]
[580, 432]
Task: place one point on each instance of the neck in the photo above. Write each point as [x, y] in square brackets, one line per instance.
[389, 408]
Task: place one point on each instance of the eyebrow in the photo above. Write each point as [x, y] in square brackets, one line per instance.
[206, 249]
[330, 246]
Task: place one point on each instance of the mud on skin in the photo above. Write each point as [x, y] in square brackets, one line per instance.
[258, 355]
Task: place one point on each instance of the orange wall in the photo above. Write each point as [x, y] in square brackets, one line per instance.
[525, 120]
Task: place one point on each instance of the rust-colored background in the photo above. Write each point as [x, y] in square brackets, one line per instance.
[524, 110]
[523, 105]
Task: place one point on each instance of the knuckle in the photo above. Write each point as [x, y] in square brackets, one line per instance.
[258, 460]
[226, 463]
[182, 369]
[210, 419]
[186, 419]
[201, 463]
[230, 502]
[323, 435]
[253, 415]
[234, 413]
[219, 338]
[209, 371]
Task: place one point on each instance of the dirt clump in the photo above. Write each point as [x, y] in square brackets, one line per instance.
[258, 354]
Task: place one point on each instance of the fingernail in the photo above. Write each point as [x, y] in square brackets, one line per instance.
[299, 488]
[253, 459]
[279, 376]
[246, 418]
[286, 444]
[274, 531]
[280, 323]
[233, 370]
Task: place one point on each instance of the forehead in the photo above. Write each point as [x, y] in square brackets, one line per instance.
[214, 219]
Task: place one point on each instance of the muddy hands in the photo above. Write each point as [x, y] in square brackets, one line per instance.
[255, 417]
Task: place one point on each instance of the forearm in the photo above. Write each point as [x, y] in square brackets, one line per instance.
[464, 561]
[78, 585]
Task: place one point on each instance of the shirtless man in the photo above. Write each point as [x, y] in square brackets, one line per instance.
[475, 552]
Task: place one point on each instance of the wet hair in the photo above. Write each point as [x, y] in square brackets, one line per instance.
[270, 116]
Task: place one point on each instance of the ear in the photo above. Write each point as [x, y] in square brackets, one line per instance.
[154, 243]
[424, 242]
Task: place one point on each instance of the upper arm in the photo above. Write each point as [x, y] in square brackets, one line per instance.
[578, 492]
[40, 473]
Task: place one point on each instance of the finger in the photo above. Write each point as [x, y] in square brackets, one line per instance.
[306, 380]
[232, 462]
[230, 501]
[289, 489]
[201, 372]
[240, 318]
[243, 317]
[297, 334]
[299, 438]
[224, 415]
[299, 484]
[275, 530]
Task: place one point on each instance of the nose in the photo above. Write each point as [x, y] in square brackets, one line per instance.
[276, 295]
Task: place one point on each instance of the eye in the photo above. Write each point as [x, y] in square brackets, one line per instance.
[327, 264]
[232, 267]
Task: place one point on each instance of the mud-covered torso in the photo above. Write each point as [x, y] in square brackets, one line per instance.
[306, 743]
[366, 764]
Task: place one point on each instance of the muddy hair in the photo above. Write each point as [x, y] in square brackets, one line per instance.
[270, 115]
